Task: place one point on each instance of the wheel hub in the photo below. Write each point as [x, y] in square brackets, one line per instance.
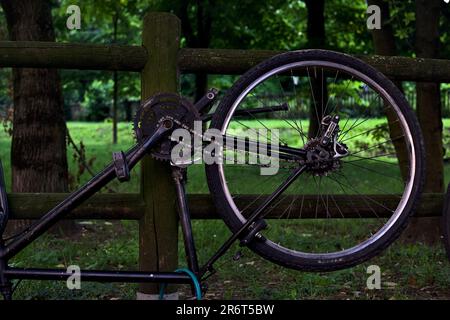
[320, 160]
[324, 152]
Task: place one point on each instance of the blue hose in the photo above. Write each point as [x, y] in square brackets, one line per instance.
[198, 290]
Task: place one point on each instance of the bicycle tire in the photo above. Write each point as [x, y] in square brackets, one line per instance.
[272, 251]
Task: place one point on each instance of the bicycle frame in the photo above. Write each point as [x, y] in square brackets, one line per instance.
[9, 250]
[246, 233]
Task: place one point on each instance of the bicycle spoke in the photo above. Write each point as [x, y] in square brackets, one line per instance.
[349, 187]
[365, 132]
[371, 170]
[374, 159]
[377, 145]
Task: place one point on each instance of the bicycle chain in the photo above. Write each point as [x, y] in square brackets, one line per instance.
[201, 136]
[334, 167]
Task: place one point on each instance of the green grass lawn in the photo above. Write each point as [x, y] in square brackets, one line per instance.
[408, 270]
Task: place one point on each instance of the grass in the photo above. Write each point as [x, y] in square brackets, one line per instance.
[408, 270]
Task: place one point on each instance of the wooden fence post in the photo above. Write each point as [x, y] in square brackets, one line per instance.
[158, 227]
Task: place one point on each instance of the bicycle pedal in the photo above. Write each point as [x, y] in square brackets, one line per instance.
[121, 166]
[254, 232]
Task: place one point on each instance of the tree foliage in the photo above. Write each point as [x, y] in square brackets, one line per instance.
[252, 24]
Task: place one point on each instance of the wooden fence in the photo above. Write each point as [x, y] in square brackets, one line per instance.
[160, 60]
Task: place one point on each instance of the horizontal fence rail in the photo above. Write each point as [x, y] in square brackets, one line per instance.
[228, 61]
[129, 206]
[35, 54]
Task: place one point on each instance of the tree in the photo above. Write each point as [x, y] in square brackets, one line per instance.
[5, 81]
[115, 76]
[428, 94]
[316, 39]
[198, 34]
[38, 153]
[316, 23]
[384, 44]
[429, 111]
[106, 21]
[271, 24]
[426, 32]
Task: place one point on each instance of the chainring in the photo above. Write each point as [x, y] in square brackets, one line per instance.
[157, 107]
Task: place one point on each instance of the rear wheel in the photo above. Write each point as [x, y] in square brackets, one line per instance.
[374, 183]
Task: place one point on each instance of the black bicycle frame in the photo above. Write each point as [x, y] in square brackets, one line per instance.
[12, 247]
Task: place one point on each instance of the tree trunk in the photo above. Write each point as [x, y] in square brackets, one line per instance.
[115, 80]
[38, 153]
[200, 39]
[128, 113]
[429, 115]
[384, 44]
[115, 97]
[201, 85]
[316, 39]
[315, 29]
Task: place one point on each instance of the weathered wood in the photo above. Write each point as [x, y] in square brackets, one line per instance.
[227, 61]
[220, 61]
[36, 54]
[158, 228]
[130, 206]
[127, 206]
[411, 69]
[202, 206]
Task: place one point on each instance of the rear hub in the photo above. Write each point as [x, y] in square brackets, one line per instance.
[324, 153]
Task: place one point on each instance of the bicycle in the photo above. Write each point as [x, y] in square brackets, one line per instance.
[348, 146]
